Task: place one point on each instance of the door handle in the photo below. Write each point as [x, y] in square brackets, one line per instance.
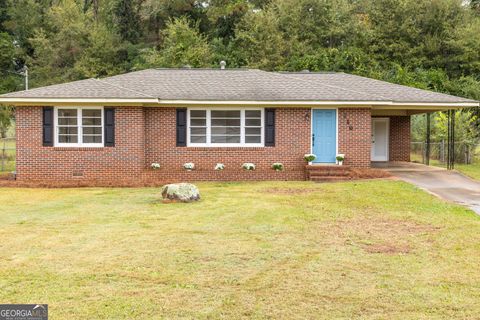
[313, 139]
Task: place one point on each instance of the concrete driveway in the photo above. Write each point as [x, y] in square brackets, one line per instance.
[448, 185]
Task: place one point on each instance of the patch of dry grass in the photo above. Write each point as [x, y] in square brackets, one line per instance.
[284, 250]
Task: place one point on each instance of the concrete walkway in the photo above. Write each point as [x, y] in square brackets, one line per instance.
[448, 185]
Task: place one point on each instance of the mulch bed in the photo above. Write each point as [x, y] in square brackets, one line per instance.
[368, 173]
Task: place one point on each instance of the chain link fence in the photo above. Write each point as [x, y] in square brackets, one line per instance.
[465, 153]
[7, 154]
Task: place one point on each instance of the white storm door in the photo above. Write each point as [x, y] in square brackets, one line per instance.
[380, 139]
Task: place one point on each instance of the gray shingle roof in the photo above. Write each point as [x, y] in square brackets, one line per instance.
[89, 88]
[386, 90]
[236, 85]
[240, 85]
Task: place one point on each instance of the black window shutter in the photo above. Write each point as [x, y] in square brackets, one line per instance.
[48, 126]
[109, 136]
[181, 127]
[269, 127]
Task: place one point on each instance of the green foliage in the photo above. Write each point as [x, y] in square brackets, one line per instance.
[6, 114]
[7, 51]
[3, 14]
[103, 56]
[128, 19]
[183, 45]
[464, 127]
[259, 42]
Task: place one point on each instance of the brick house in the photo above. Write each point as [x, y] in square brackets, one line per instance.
[113, 129]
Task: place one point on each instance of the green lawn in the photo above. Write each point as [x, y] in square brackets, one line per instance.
[371, 250]
[470, 170]
[8, 156]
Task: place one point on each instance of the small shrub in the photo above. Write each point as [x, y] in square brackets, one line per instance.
[309, 157]
[189, 166]
[277, 166]
[248, 166]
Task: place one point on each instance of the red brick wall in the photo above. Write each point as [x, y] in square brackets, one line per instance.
[123, 163]
[399, 138]
[292, 141]
[354, 136]
[147, 135]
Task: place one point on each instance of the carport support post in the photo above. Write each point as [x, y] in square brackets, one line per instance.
[451, 140]
[427, 142]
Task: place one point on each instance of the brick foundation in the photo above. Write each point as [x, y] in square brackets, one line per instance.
[146, 135]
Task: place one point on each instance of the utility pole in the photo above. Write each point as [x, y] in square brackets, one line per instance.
[25, 74]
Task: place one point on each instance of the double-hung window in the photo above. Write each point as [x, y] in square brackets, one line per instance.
[224, 128]
[78, 127]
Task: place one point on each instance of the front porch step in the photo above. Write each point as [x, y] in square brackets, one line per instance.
[328, 172]
[322, 167]
[333, 173]
[329, 178]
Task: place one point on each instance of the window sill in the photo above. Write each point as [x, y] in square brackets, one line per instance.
[78, 148]
[226, 148]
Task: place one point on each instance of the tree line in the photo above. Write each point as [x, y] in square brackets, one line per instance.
[429, 44]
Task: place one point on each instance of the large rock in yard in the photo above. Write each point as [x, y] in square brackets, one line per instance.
[183, 192]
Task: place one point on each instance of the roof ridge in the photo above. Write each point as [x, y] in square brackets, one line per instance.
[337, 87]
[202, 69]
[123, 88]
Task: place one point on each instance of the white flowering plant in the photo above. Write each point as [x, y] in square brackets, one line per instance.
[219, 166]
[278, 166]
[155, 166]
[309, 157]
[189, 166]
[248, 166]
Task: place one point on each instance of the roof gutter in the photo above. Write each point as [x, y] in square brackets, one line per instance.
[160, 102]
[76, 101]
[373, 104]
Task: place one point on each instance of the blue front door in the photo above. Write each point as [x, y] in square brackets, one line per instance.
[324, 135]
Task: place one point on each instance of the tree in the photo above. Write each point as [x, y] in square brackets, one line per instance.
[157, 13]
[183, 45]
[259, 42]
[128, 19]
[475, 5]
[7, 52]
[94, 4]
[225, 15]
[60, 43]
[3, 14]
[6, 114]
[103, 56]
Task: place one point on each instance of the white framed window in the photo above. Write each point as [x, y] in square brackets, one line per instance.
[78, 126]
[214, 127]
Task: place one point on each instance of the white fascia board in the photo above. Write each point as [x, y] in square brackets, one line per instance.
[436, 104]
[159, 102]
[374, 104]
[75, 101]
